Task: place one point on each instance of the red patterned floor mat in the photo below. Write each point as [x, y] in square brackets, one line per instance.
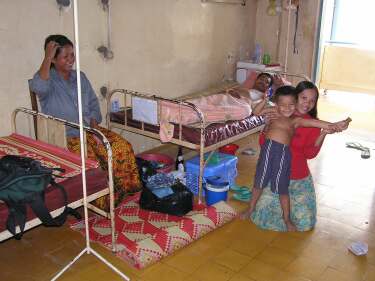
[144, 237]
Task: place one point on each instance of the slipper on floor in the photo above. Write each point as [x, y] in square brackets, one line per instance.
[240, 197]
[249, 151]
[355, 145]
[243, 191]
[365, 154]
[238, 188]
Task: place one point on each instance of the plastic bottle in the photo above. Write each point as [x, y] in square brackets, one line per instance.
[180, 160]
[115, 105]
[257, 56]
[270, 92]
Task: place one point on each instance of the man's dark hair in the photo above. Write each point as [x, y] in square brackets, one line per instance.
[268, 76]
[284, 91]
[59, 39]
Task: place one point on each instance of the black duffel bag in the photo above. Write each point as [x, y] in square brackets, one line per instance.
[24, 181]
[178, 203]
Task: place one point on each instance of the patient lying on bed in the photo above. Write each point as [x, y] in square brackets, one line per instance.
[255, 91]
[234, 104]
[215, 108]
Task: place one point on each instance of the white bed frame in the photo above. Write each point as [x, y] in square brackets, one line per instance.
[107, 190]
[201, 148]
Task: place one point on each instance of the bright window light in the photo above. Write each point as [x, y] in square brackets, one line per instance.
[353, 23]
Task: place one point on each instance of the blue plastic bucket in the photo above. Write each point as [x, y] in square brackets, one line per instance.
[216, 190]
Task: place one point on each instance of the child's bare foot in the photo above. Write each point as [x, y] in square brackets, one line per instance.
[290, 226]
[247, 214]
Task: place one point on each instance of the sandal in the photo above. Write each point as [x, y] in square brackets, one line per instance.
[238, 188]
[242, 197]
[355, 145]
[365, 154]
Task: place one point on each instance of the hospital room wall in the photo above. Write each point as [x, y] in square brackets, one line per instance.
[301, 62]
[177, 47]
[172, 48]
[167, 47]
[24, 25]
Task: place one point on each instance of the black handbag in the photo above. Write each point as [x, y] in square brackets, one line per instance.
[178, 203]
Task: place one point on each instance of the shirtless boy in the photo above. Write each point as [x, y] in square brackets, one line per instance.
[274, 159]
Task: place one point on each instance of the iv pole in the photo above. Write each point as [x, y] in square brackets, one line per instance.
[87, 249]
[287, 37]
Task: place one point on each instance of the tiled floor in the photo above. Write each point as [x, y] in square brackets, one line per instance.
[239, 251]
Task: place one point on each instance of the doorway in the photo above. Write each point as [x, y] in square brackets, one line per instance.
[346, 52]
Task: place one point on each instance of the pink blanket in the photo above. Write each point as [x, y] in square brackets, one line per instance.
[215, 108]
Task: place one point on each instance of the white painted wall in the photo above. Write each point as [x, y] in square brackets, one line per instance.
[266, 35]
[169, 47]
[24, 25]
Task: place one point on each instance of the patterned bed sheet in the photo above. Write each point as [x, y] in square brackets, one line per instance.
[213, 133]
[52, 156]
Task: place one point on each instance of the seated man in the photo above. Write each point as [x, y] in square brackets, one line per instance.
[55, 85]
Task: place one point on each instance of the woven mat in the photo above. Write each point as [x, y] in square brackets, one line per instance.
[144, 237]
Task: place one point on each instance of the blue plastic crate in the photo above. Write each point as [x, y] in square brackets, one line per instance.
[226, 168]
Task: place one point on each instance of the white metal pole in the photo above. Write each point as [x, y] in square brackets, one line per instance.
[80, 117]
[88, 250]
[287, 37]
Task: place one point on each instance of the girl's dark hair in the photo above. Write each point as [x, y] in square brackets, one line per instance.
[284, 91]
[305, 85]
[59, 39]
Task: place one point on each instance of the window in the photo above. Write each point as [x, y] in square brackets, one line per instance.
[353, 23]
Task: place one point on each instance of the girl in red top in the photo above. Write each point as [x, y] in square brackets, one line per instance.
[305, 144]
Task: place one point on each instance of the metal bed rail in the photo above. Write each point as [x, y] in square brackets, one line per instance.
[201, 148]
[108, 148]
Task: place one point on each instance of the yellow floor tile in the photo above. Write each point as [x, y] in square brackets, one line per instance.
[290, 244]
[370, 274]
[291, 277]
[232, 259]
[314, 251]
[187, 259]
[248, 247]
[261, 271]
[327, 240]
[164, 272]
[240, 277]
[276, 257]
[350, 264]
[331, 274]
[211, 271]
[306, 267]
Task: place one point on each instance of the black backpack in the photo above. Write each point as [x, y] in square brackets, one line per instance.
[24, 180]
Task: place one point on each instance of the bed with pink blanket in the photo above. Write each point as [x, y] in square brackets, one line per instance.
[203, 123]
